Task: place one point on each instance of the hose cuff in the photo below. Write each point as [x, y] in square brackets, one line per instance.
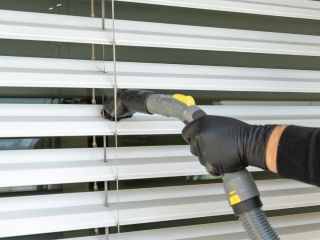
[247, 206]
[256, 147]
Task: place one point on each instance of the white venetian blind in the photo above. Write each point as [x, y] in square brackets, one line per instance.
[194, 210]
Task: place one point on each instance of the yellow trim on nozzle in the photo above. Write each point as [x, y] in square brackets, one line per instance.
[187, 100]
[234, 198]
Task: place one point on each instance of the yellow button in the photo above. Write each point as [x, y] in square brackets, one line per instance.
[234, 199]
[187, 100]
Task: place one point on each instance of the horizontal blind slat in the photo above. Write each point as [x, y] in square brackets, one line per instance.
[86, 210]
[148, 34]
[51, 27]
[218, 39]
[45, 72]
[269, 188]
[165, 210]
[26, 174]
[293, 228]
[47, 166]
[86, 154]
[302, 9]
[56, 220]
[36, 120]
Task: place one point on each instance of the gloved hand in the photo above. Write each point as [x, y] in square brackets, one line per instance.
[226, 145]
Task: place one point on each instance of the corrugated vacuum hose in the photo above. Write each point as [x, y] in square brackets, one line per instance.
[257, 225]
[240, 188]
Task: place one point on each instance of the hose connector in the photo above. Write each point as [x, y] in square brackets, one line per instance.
[243, 194]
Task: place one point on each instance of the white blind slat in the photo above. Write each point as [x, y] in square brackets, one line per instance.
[63, 212]
[148, 34]
[35, 120]
[38, 167]
[292, 227]
[45, 72]
[295, 9]
[269, 188]
[55, 220]
[26, 174]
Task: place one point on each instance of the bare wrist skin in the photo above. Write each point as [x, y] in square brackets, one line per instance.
[272, 148]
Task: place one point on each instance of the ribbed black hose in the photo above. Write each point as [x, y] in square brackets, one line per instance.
[257, 225]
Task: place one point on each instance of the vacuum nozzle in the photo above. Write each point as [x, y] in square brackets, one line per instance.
[129, 101]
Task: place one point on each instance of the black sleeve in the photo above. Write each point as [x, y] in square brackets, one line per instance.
[299, 154]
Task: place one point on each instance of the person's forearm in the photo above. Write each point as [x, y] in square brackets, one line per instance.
[294, 152]
[272, 148]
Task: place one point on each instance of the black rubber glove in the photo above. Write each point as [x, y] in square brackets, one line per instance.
[226, 145]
